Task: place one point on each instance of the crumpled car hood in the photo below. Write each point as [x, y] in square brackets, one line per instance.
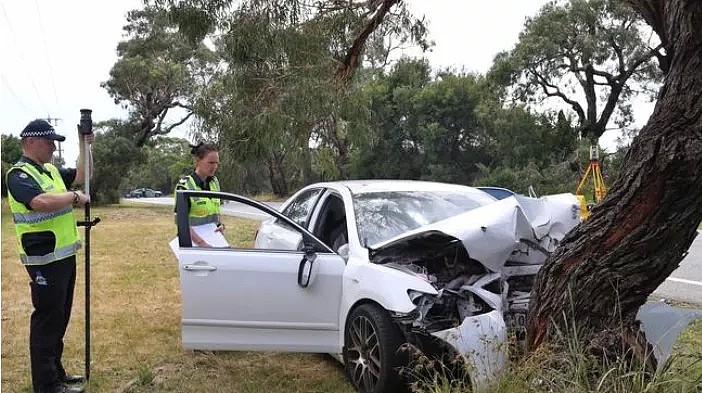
[492, 233]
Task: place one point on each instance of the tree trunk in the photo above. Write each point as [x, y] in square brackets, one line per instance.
[276, 175]
[338, 140]
[605, 269]
[307, 178]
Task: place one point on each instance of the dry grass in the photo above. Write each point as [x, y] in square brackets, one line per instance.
[135, 319]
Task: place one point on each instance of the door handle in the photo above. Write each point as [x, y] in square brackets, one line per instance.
[199, 268]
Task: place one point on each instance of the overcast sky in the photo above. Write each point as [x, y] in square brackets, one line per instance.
[55, 54]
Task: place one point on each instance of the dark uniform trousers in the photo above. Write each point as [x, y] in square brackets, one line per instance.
[52, 296]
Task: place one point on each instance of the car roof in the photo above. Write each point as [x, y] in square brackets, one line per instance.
[364, 186]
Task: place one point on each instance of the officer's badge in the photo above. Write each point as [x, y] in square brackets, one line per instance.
[23, 175]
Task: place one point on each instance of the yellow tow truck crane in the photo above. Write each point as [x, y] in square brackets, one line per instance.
[599, 187]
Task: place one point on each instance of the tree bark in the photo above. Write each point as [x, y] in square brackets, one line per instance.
[606, 268]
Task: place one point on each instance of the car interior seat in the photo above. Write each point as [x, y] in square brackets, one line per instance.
[332, 224]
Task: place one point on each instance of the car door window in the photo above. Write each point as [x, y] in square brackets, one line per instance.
[256, 228]
[330, 225]
[301, 207]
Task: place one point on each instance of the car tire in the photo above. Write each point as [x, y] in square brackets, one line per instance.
[371, 350]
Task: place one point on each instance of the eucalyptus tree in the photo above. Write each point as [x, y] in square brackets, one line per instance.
[157, 73]
[286, 88]
[590, 56]
[606, 268]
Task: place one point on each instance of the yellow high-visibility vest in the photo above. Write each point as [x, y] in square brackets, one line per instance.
[61, 222]
[202, 210]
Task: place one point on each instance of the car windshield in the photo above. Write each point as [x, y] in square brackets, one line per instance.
[381, 216]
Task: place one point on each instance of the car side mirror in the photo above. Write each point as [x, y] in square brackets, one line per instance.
[306, 270]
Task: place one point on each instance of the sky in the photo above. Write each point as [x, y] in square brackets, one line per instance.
[55, 54]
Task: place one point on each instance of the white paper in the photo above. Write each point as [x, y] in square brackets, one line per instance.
[174, 245]
[208, 234]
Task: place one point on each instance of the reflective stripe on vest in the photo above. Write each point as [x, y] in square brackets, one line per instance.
[60, 253]
[195, 221]
[35, 217]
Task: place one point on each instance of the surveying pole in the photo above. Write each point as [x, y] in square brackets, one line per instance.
[86, 128]
[594, 169]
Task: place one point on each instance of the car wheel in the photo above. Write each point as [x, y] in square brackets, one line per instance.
[371, 344]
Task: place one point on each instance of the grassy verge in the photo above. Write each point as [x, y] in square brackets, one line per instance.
[135, 318]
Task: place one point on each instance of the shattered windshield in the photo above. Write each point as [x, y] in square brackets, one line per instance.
[383, 215]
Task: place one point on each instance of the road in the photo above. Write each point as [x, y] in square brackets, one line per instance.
[684, 285]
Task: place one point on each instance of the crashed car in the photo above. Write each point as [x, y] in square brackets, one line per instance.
[360, 268]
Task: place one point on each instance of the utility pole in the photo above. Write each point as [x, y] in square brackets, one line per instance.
[54, 122]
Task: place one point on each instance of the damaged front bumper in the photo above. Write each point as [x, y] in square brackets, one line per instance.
[479, 337]
[481, 340]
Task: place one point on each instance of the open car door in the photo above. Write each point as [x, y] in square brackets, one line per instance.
[255, 299]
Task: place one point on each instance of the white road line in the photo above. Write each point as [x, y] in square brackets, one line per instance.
[682, 280]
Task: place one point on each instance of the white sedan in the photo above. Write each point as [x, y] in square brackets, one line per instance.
[359, 268]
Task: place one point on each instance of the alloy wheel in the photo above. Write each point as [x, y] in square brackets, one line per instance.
[364, 354]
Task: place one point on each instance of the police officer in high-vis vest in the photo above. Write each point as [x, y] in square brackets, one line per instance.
[42, 209]
[202, 211]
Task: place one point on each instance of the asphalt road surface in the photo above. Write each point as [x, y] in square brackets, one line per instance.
[685, 284]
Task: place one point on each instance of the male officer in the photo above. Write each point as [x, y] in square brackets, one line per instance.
[42, 209]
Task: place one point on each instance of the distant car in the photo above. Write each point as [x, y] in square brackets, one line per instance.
[144, 193]
[357, 268]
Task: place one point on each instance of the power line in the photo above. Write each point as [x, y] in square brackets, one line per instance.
[4, 79]
[19, 54]
[46, 52]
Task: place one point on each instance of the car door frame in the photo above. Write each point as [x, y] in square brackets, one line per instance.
[273, 223]
[297, 335]
[185, 240]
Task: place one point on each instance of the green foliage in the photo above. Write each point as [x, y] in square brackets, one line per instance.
[454, 128]
[157, 70]
[114, 154]
[11, 148]
[552, 179]
[163, 161]
[591, 55]
[119, 166]
[11, 153]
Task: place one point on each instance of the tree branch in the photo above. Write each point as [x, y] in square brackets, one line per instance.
[653, 12]
[345, 70]
[183, 120]
[557, 93]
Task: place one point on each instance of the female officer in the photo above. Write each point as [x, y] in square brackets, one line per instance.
[202, 211]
